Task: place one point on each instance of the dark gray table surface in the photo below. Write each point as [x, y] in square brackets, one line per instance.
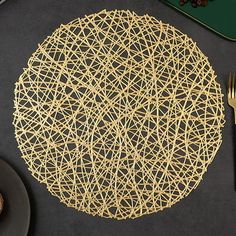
[209, 210]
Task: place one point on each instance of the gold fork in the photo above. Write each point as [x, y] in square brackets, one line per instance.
[232, 93]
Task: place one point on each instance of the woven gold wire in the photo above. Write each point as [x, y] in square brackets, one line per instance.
[118, 114]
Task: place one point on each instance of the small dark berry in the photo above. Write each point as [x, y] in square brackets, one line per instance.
[195, 3]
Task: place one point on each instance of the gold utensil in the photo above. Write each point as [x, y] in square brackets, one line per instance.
[232, 93]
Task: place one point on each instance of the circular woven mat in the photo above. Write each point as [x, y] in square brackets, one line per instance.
[118, 114]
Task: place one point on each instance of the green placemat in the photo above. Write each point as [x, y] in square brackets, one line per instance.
[219, 15]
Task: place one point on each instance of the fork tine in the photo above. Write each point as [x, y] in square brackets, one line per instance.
[229, 85]
[234, 81]
[232, 93]
[233, 85]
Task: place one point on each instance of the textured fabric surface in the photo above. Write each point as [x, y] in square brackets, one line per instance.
[208, 210]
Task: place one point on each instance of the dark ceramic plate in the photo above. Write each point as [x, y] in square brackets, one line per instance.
[15, 218]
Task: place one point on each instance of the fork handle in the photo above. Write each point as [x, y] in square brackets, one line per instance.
[235, 121]
[234, 150]
[234, 157]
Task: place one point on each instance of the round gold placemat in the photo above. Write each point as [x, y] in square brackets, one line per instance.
[118, 114]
